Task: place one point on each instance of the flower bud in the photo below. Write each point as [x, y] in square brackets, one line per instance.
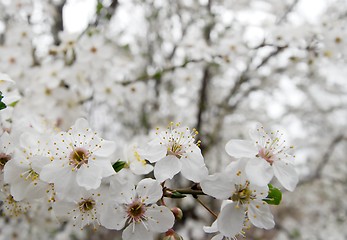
[172, 235]
[177, 213]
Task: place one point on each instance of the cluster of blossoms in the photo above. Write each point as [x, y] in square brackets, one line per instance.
[74, 174]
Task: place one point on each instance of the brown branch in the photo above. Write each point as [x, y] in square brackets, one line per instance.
[325, 159]
[58, 24]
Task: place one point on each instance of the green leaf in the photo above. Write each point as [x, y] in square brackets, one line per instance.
[99, 7]
[274, 196]
[119, 165]
[13, 104]
[2, 105]
[177, 195]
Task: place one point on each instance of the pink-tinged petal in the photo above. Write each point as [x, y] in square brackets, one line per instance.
[218, 186]
[105, 148]
[166, 168]
[149, 190]
[230, 220]
[260, 215]
[241, 148]
[153, 153]
[160, 218]
[113, 217]
[89, 177]
[136, 231]
[259, 171]
[286, 174]
[193, 167]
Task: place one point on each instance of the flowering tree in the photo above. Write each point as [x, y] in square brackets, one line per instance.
[178, 90]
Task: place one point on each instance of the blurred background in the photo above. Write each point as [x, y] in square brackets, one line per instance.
[130, 66]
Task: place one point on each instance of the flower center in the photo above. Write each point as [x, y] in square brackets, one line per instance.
[78, 157]
[4, 158]
[175, 149]
[266, 155]
[242, 194]
[86, 205]
[136, 211]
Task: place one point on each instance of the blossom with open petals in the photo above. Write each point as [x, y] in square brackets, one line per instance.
[137, 211]
[174, 150]
[80, 158]
[267, 155]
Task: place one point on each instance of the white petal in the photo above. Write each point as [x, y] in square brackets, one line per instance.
[13, 171]
[122, 192]
[89, 177]
[113, 217]
[260, 215]
[140, 168]
[218, 186]
[241, 148]
[286, 174]
[218, 237]
[106, 148]
[149, 190]
[160, 218]
[166, 168]
[136, 231]
[38, 162]
[18, 191]
[193, 167]
[105, 166]
[212, 229]
[259, 171]
[153, 153]
[230, 220]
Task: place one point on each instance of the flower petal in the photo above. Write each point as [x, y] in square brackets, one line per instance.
[160, 218]
[230, 220]
[89, 177]
[136, 231]
[153, 153]
[166, 168]
[286, 174]
[113, 217]
[149, 190]
[260, 215]
[105, 148]
[218, 186]
[193, 167]
[259, 171]
[241, 148]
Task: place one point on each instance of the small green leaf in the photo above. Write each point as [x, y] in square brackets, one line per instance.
[13, 104]
[119, 165]
[99, 7]
[274, 196]
[2, 105]
[157, 76]
[177, 195]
